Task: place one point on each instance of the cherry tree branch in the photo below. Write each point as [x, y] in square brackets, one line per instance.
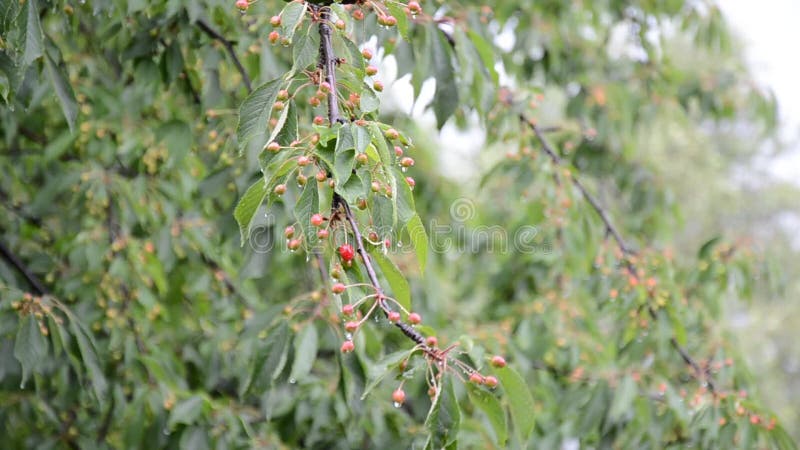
[623, 247]
[32, 279]
[328, 62]
[214, 34]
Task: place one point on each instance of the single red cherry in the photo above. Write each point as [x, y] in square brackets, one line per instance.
[498, 361]
[414, 318]
[346, 252]
[394, 316]
[317, 220]
[348, 346]
[476, 378]
[398, 396]
[338, 288]
[347, 310]
[490, 381]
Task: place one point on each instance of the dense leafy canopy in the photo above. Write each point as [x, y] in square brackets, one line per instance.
[149, 300]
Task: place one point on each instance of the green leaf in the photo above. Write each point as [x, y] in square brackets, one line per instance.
[397, 10]
[66, 98]
[520, 401]
[404, 200]
[89, 356]
[444, 417]
[398, 283]
[255, 111]
[445, 100]
[177, 137]
[353, 189]
[307, 205]
[306, 50]
[345, 156]
[419, 238]
[291, 17]
[488, 403]
[246, 209]
[186, 412]
[34, 36]
[270, 358]
[30, 347]
[305, 352]
[369, 101]
[384, 367]
[486, 53]
[623, 399]
[380, 144]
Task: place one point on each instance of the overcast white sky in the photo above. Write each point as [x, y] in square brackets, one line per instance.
[770, 30]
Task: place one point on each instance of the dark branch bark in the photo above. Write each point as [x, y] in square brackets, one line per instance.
[214, 34]
[12, 259]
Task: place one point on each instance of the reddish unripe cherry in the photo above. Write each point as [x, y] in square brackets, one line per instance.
[338, 288]
[390, 21]
[366, 53]
[378, 86]
[490, 381]
[351, 326]
[371, 70]
[361, 122]
[273, 146]
[355, 99]
[361, 204]
[411, 182]
[339, 24]
[314, 138]
[391, 133]
[414, 7]
[375, 186]
[407, 162]
[358, 14]
[498, 361]
[280, 189]
[362, 158]
[303, 161]
[288, 232]
[431, 341]
[414, 318]
[314, 101]
[321, 176]
[373, 236]
[293, 244]
[348, 310]
[317, 220]
[323, 233]
[476, 378]
[275, 21]
[398, 151]
[348, 346]
[346, 252]
[319, 120]
[274, 36]
[283, 95]
[242, 4]
[398, 396]
[278, 106]
[394, 317]
[325, 87]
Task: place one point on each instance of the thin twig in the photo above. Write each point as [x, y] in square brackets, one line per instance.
[206, 28]
[623, 247]
[610, 228]
[32, 279]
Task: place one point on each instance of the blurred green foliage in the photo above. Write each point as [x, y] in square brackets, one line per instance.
[131, 316]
